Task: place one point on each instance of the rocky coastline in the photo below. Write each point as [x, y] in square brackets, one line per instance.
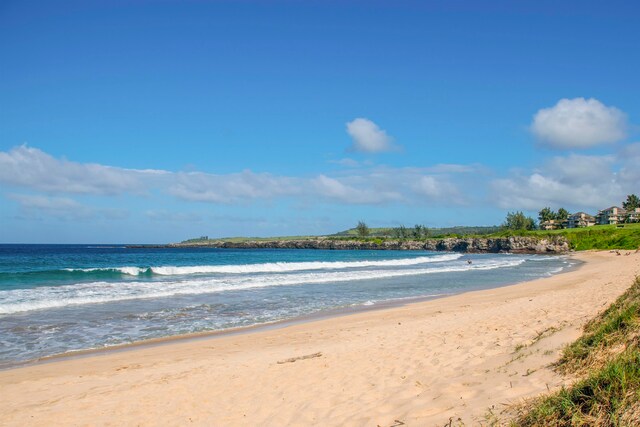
[511, 244]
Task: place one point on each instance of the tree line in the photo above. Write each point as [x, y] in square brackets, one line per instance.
[418, 231]
[514, 221]
[519, 221]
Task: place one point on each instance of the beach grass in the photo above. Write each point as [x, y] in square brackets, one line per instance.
[610, 329]
[606, 358]
[609, 396]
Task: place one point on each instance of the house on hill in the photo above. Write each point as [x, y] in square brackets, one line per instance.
[553, 224]
[633, 215]
[548, 225]
[581, 219]
[612, 215]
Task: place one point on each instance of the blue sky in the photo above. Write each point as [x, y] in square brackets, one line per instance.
[155, 121]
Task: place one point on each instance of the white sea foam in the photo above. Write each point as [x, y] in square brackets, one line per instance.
[47, 297]
[273, 267]
[555, 271]
[131, 271]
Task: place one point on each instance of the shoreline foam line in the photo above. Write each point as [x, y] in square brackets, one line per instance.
[273, 267]
[39, 298]
[349, 310]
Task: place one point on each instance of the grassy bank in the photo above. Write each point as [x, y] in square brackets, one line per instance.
[600, 237]
[388, 232]
[607, 359]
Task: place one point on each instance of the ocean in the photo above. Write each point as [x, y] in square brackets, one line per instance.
[57, 299]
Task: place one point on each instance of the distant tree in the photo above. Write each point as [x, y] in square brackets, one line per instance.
[362, 229]
[401, 232]
[562, 214]
[419, 232]
[632, 202]
[518, 221]
[546, 214]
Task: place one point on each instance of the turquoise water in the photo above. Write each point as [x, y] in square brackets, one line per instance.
[60, 298]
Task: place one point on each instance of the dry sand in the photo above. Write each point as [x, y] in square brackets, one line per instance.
[419, 364]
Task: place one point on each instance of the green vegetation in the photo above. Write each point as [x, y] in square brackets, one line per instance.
[403, 232]
[362, 229]
[462, 231]
[632, 202]
[518, 221]
[606, 331]
[418, 232]
[608, 397]
[546, 214]
[607, 356]
[562, 214]
[600, 237]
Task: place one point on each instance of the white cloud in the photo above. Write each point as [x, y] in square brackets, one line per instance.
[38, 171]
[583, 182]
[335, 189]
[630, 170]
[408, 186]
[368, 137]
[576, 170]
[579, 123]
[232, 188]
[438, 188]
[29, 167]
[34, 169]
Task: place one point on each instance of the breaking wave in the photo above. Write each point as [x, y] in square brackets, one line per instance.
[45, 297]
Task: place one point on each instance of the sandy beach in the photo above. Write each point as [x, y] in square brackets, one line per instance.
[420, 364]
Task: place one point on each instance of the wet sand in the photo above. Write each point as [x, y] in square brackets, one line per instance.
[419, 364]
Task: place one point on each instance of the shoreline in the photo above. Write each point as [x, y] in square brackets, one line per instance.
[420, 363]
[512, 244]
[234, 331]
[260, 327]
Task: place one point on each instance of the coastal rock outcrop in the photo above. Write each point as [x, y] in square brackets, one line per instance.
[513, 244]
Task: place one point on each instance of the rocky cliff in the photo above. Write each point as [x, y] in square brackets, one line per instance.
[514, 244]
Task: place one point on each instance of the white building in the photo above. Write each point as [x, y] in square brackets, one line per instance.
[581, 219]
[612, 215]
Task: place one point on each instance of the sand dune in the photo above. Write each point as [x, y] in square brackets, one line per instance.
[419, 364]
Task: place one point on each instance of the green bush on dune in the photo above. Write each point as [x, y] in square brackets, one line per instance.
[607, 357]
